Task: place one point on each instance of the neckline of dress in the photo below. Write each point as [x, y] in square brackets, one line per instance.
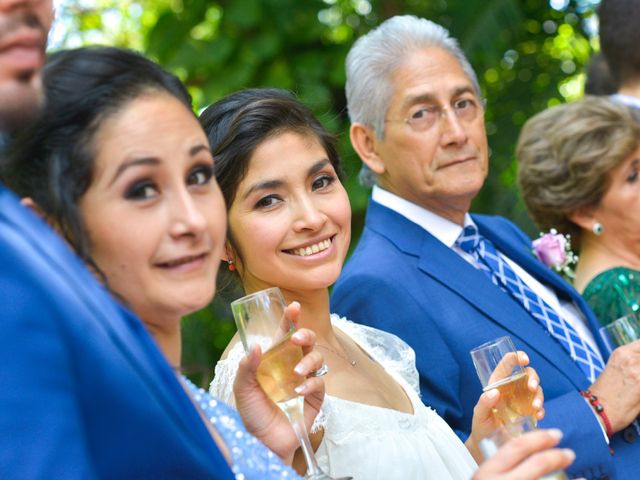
[406, 388]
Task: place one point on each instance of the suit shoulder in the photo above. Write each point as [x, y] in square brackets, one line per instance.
[375, 255]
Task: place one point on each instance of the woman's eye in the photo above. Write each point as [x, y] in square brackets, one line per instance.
[633, 177]
[200, 176]
[267, 201]
[141, 191]
[322, 182]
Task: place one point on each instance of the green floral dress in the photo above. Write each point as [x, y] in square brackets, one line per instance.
[614, 293]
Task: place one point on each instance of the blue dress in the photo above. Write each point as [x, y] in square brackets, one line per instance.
[251, 459]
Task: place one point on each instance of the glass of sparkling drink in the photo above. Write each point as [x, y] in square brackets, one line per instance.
[490, 444]
[261, 320]
[621, 331]
[498, 366]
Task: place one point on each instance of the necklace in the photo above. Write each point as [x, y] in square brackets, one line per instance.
[343, 356]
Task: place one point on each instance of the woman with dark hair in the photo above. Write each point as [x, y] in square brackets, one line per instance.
[120, 167]
[289, 226]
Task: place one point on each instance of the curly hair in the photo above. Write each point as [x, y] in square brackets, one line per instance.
[565, 155]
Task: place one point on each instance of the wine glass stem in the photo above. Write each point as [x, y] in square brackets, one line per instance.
[294, 412]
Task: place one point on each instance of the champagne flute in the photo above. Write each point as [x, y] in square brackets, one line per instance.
[490, 444]
[261, 320]
[498, 367]
[621, 331]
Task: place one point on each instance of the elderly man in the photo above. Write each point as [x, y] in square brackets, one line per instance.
[446, 281]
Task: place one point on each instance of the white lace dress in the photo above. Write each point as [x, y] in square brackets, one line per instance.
[368, 442]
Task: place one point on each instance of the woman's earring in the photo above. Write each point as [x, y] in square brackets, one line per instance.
[597, 229]
[230, 265]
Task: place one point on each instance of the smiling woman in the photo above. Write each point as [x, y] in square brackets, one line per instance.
[119, 165]
[158, 190]
[289, 227]
[292, 200]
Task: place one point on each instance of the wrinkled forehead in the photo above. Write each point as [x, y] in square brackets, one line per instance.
[432, 74]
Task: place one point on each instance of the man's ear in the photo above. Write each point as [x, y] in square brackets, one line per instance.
[584, 217]
[365, 143]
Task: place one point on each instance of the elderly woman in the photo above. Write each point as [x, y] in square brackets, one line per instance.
[578, 172]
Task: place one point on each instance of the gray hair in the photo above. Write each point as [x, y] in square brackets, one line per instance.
[374, 58]
[565, 156]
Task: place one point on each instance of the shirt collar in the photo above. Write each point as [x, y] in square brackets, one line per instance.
[444, 230]
[626, 100]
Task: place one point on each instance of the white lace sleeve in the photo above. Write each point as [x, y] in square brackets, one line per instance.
[225, 374]
[387, 349]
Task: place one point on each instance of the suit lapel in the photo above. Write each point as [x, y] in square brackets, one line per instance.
[446, 267]
[125, 331]
[527, 260]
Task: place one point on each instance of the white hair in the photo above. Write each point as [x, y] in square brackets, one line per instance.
[374, 58]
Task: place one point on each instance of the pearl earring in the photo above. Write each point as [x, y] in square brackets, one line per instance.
[597, 228]
[230, 265]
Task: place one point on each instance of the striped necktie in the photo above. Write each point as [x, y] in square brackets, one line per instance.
[502, 275]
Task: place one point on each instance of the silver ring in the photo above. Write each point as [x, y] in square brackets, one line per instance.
[323, 370]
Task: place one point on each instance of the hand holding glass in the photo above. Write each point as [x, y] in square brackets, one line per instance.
[498, 366]
[621, 332]
[490, 444]
[260, 318]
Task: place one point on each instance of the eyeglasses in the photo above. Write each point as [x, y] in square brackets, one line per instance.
[422, 118]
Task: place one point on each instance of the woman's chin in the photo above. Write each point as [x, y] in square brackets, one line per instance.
[311, 282]
[193, 303]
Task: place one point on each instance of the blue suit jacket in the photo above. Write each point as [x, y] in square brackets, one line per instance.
[84, 391]
[403, 280]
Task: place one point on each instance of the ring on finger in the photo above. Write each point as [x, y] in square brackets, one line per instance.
[323, 370]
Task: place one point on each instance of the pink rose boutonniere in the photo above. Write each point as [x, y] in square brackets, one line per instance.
[554, 250]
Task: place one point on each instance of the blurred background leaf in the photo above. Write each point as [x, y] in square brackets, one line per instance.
[528, 54]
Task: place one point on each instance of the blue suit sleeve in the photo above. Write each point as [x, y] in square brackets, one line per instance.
[581, 432]
[385, 304]
[39, 414]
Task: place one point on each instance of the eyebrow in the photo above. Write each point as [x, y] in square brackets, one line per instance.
[273, 184]
[150, 161]
[431, 98]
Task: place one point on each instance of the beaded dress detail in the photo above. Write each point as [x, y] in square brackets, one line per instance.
[251, 459]
[614, 293]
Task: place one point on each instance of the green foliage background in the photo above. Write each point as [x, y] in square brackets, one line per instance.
[529, 54]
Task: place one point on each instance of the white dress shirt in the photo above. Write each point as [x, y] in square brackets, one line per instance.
[626, 100]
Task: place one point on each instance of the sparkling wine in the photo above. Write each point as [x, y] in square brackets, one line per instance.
[275, 372]
[515, 399]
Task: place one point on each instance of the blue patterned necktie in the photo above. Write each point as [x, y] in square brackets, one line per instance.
[502, 275]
